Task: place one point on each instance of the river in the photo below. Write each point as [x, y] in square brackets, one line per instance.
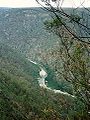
[42, 83]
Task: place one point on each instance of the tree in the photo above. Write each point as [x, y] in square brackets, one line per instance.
[73, 29]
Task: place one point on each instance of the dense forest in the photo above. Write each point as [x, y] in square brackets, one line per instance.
[23, 35]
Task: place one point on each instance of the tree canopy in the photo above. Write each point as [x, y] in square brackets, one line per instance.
[73, 29]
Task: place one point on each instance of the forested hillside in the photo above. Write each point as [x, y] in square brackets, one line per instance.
[23, 29]
[20, 95]
[22, 36]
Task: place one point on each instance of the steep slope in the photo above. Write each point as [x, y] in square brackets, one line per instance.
[20, 95]
[21, 98]
[23, 29]
[14, 62]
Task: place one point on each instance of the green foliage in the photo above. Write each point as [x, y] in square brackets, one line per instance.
[21, 98]
[75, 62]
[80, 70]
[53, 23]
[20, 95]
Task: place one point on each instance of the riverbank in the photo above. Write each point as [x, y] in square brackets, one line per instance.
[41, 80]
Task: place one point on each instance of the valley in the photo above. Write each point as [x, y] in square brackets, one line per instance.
[31, 86]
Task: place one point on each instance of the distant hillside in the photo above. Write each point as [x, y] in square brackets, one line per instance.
[23, 29]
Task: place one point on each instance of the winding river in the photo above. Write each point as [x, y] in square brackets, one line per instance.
[42, 83]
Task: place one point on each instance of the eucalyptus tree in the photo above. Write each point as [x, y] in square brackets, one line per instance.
[72, 26]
